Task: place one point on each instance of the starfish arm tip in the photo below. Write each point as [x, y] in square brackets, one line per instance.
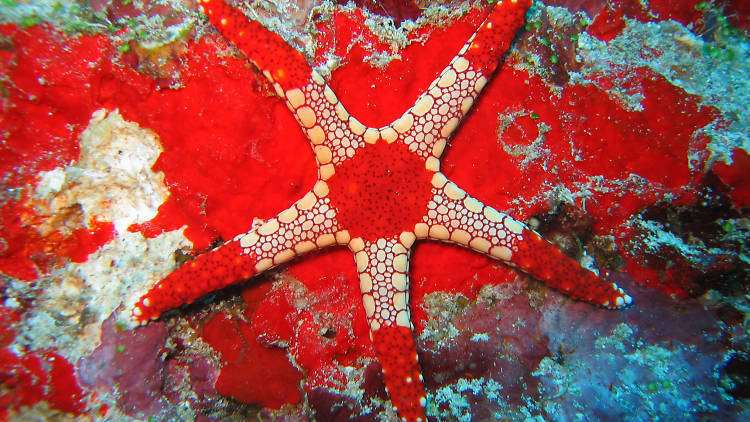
[280, 63]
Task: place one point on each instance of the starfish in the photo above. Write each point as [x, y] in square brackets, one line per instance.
[378, 191]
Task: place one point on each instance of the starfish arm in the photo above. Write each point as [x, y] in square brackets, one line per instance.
[280, 63]
[383, 274]
[427, 126]
[307, 225]
[455, 217]
[335, 135]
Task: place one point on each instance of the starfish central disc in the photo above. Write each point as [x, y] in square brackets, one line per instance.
[380, 192]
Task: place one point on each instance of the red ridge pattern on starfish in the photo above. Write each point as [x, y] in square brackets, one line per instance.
[378, 191]
[397, 353]
[266, 49]
[206, 273]
[370, 204]
[307, 225]
[487, 46]
[546, 263]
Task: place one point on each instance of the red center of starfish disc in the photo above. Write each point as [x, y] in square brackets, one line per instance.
[380, 192]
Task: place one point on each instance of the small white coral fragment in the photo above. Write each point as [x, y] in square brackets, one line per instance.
[112, 180]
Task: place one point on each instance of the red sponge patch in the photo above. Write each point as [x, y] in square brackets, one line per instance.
[251, 373]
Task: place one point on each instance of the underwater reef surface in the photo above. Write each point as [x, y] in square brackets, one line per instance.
[133, 137]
